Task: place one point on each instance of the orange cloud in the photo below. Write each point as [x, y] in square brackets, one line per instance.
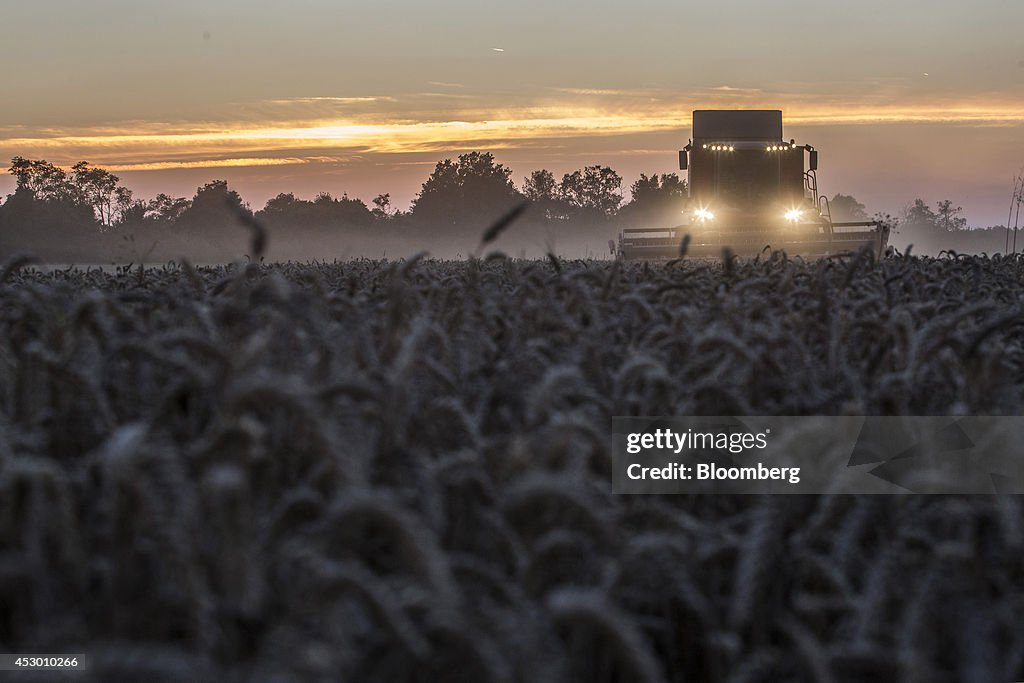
[244, 162]
[394, 126]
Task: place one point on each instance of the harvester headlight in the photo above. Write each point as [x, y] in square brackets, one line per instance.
[731, 148]
[703, 215]
[705, 146]
[793, 215]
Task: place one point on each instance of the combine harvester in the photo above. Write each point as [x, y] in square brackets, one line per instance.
[749, 190]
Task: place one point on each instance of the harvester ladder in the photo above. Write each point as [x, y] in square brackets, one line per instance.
[811, 184]
[820, 201]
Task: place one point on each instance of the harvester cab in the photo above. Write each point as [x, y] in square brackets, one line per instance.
[750, 189]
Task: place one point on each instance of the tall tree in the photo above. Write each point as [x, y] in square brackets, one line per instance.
[541, 188]
[655, 201]
[844, 207]
[166, 209]
[594, 189]
[467, 193]
[85, 185]
[950, 217]
[918, 225]
[213, 206]
[45, 200]
[382, 206]
[42, 179]
[99, 189]
[919, 214]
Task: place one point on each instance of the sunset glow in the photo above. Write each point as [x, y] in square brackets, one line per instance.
[278, 100]
[155, 146]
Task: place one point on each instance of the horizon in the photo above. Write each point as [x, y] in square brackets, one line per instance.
[361, 101]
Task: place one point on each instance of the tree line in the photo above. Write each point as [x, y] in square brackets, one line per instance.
[458, 199]
[465, 192]
[927, 229]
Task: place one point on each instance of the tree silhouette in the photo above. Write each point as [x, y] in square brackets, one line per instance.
[594, 191]
[56, 217]
[343, 210]
[133, 215]
[949, 217]
[541, 188]
[85, 186]
[844, 208]
[285, 207]
[382, 206]
[42, 180]
[655, 201]
[287, 211]
[213, 207]
[166, 209]
[465, 194]
[99, 189]
[45, 200]
[918, 224]
[920, 214]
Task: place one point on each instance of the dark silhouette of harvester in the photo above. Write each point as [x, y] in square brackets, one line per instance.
[750, 189]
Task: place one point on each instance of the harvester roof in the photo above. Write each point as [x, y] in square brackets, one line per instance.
[737, 125]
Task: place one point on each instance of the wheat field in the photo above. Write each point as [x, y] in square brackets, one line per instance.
[400, 471]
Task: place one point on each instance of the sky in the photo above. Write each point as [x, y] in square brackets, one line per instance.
[902, 99]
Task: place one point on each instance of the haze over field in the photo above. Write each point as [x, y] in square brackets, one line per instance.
[904, 100]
